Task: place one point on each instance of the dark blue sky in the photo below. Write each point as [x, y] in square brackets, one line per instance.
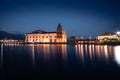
[78, 17]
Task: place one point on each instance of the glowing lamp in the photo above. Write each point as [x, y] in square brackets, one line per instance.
[118, 32]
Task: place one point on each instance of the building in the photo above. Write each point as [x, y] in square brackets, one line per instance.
[10, 41]
[107, 35]
[40, 36]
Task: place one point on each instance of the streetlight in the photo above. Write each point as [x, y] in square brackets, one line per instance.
[81, 37]
[90, 37]
[118, 32]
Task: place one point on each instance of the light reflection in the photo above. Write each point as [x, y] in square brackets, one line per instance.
[64, 51]
[2, 58]
[33, 54]
[48, 52]
[61, 51]
[31, 48]
[80, 52]
[90, 52]
[94, 52]
[117, 54]
[106, 52]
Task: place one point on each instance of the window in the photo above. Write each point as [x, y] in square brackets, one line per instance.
[39, 36]
[36, 37]
[30, 36]
[42, 36]
[54, 40]
[50, 36]
[54, 36]
[46, 36]
[50, 40]
[33, 36]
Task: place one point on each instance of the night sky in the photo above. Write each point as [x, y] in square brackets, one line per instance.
[77, 17]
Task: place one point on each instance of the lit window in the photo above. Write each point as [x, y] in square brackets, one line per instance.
[54, 40]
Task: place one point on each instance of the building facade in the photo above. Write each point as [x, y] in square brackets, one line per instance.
[107, 35]
[40, 36]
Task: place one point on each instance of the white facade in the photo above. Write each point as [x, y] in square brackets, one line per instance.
[40, 36]
[107, 36]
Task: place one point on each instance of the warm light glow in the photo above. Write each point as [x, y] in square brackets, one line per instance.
[106, 52]
[117, 54]
[80, 52]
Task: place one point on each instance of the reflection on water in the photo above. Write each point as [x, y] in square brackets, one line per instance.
[51, 52]
[59, 60]
[1, 58]
[94, 52]
[117, 54]
[47, 52]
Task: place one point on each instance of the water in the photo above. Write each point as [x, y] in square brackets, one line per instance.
[59, 61]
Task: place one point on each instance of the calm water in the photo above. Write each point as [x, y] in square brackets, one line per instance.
[60, 61]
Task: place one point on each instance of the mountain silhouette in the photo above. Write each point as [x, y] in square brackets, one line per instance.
[4, 34]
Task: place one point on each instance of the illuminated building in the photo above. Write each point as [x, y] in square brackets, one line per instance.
[40, 36]
[10, 41]
[107, 35]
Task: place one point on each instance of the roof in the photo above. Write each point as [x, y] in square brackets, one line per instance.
[38, 31]
[107, 34]
[41, 32]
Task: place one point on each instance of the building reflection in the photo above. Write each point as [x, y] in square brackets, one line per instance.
[117, 54]
[94, 52]
[47, 52]
[61, 51]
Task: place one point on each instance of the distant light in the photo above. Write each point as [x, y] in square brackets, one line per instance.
[117, 54]
[118, 32]
[90, 37]
[81, 37]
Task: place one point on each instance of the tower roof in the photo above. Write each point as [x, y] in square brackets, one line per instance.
[59, 25]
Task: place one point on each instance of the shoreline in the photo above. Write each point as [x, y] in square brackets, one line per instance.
[67, 43]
